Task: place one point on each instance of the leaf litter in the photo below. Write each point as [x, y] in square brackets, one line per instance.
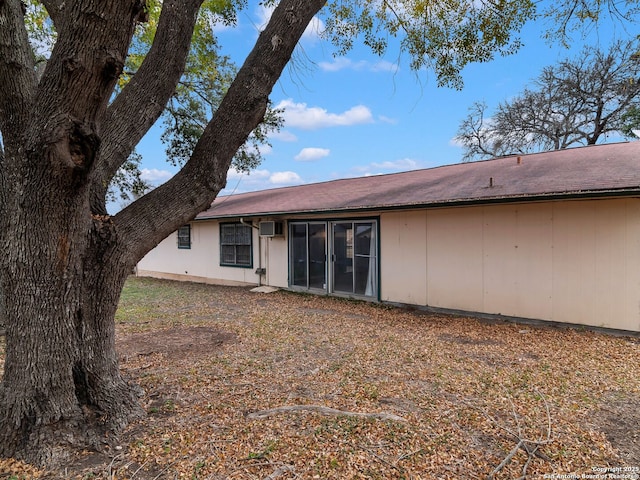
[358, 390]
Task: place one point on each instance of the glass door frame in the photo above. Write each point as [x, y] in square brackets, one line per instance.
[350, 262]
[330, 257]
[308, 261]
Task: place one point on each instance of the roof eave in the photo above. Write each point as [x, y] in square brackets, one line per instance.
[554, 196]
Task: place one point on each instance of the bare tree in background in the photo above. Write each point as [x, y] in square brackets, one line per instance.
[577, 102]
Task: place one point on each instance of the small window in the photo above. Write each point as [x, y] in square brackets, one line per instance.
[184, 236]
[235, 245]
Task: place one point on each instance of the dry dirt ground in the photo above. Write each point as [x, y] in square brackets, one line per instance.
[242, 385]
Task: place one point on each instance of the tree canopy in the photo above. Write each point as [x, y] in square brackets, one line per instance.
[579, 101]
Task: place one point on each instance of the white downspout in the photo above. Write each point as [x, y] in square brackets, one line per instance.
[259, 260]
[259, 250]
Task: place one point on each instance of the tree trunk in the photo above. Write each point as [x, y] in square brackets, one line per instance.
[65, 263]
[62, 388]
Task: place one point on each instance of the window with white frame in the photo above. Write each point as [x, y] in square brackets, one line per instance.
[235, 245]
[184, 236]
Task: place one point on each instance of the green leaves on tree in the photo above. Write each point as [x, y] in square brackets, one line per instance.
[443, 36]
[206, 78]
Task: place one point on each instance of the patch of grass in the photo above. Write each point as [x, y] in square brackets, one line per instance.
[147, 300]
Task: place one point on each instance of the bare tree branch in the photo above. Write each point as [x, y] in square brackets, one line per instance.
[148, 220]
[576, 102]
[530, 447]
[475, 132]
[144, 98]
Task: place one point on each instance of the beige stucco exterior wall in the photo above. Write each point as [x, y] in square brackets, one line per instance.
[275, 259]
[572, 261]
[403, 236]
[200, 263]
[575, 262]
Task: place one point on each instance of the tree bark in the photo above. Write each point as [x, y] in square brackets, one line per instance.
[62, 389]
[144, 98]
[65, 265]
[160, 212]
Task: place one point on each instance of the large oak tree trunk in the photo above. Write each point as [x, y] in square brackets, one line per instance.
[62, 387]
[66, 261]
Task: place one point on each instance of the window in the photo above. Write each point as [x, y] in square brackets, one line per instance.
[184, 236]
[235, 245]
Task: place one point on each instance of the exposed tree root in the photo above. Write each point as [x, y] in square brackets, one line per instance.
[278, 472]
[324, 411]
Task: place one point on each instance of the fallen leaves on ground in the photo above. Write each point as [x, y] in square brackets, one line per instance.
[472, 398]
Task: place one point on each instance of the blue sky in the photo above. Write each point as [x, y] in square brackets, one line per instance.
[364, 115]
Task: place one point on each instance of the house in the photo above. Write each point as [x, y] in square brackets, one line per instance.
[551, 236]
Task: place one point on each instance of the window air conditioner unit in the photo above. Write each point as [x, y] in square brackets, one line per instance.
[270, 229]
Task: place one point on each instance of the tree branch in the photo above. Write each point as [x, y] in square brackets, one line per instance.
[55, 9]
[83, 80]
[530, 447]
[147, 221]
[17, 76]
[144, 98]
[76, 86]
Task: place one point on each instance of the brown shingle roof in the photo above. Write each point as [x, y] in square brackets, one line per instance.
[609, 169]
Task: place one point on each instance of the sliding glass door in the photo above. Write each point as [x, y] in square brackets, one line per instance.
[354, 262]
[336, 257]
[308, 255]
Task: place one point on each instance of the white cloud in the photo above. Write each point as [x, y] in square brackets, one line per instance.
[378, 168]
[397, 165]
[343, 63]
[340, 63]
[283, 136]
[155, 175]
[385, 119]
[264, 15]
[234, 174]
[285, 178]
[265, 149]
[313, 30]
[311, 118]
[310, 154]
[385, 66]
[240, 182]
[258, 180]
[456, 142]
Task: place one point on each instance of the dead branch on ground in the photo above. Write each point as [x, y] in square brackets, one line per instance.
[530, 447]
